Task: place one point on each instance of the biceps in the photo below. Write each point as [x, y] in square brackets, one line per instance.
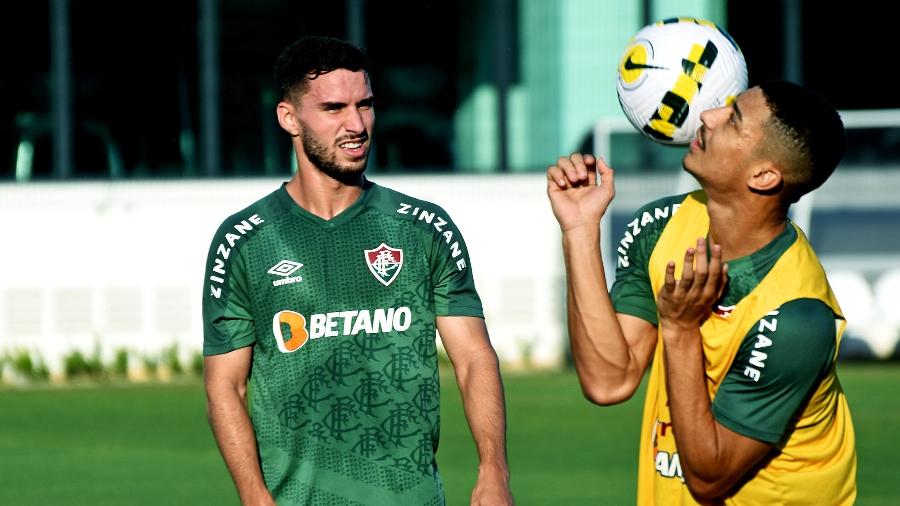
[464, 337]
[738, 453]
[641, 337]
[227, 371]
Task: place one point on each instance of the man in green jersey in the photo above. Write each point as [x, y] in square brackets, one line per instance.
[325, 296]
[722, 297]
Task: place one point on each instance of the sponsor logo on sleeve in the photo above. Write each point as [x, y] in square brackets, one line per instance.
[441, 225]
[633, 229]
[223, 251]
[765, 335]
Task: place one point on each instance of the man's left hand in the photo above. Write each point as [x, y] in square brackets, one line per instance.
[685, 303]
[492, 489]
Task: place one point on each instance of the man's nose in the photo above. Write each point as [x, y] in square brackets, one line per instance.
[353, 121]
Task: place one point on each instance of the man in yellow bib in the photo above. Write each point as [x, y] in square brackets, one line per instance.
[726, 299]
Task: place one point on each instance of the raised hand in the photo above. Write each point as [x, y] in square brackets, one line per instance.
[575, 195]
[687, 302]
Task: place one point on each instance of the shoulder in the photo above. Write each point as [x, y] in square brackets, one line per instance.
[663, 203]
[655, 214]
[669, 203]
[779, 364]
[796, 340]
[237, 228]
[406, 208]
[809, 323]
[402, 205]
[644, 228]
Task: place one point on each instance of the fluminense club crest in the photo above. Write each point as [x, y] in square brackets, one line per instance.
[384, 263]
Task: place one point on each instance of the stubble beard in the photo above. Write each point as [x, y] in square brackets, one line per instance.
[326, 161]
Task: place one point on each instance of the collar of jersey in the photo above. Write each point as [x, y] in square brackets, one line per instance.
[343, 217]
[757, 264]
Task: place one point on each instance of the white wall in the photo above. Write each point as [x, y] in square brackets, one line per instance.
[122, 263]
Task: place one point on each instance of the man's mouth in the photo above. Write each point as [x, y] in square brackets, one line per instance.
[351, 144]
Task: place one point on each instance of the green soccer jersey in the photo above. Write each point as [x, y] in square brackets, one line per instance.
[341, 314]
[777, 365]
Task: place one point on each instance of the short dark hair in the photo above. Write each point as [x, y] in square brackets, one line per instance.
[808, 135]
[309, 57]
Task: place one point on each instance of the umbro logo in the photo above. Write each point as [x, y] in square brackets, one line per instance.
[284, 269]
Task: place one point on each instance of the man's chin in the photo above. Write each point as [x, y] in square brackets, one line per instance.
[354, 167]
[348, 173]
[686, 163]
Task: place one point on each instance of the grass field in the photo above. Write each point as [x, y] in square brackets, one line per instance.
[143, 445]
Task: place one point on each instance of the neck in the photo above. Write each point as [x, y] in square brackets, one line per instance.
[744, 227]
[321, 194]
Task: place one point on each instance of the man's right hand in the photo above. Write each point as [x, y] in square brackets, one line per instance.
[576, 198]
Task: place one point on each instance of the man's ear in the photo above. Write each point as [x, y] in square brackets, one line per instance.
[287, 118]
[765, 178]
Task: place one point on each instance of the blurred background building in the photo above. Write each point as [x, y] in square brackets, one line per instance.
[129, 128]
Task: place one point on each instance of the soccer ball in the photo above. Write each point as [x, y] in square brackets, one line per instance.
[672, 71]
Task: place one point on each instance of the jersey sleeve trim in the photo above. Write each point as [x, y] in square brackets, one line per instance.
[459, 310]
[744, 430]
[637, 311]
[221, 349]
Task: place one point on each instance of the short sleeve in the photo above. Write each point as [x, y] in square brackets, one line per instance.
[227, 321]
[451, 272]
[779, 364]
[632, 292]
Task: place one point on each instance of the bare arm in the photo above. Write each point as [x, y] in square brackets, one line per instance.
[713, 458]
[611, 351]
[225, 377]
[478, 376]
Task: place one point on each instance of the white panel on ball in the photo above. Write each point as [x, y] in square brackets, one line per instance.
[672, 71]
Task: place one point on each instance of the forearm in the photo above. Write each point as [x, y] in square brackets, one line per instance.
[604, 360]
[483, 401]
[478, 376]
[702, 459]
[234, 434]
[713, 457]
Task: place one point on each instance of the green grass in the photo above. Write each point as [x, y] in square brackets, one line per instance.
[150, 445]
[562, 449]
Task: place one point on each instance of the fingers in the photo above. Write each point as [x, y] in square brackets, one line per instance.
[670, 277]
[715, 263]
[687, 272]
[724, 283]
[572, 171]
[556, 178]
[704, 274]
[718, 271]
[605, 174]
[701, 267]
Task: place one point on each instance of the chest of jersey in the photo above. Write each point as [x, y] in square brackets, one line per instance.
[357, 279]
